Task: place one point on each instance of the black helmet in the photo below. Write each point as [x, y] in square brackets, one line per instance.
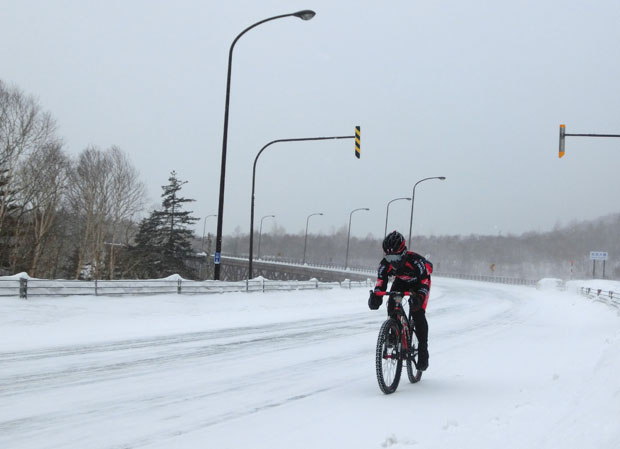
[394, 243]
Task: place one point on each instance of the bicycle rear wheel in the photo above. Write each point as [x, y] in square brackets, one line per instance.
[389, 356]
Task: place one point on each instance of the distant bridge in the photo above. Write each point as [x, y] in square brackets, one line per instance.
[236, 269]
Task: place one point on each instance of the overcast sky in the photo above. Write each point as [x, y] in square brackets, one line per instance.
[474, 91]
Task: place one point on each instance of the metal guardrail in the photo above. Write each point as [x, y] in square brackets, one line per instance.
[28, 288]
[608, 297]
[25, 288]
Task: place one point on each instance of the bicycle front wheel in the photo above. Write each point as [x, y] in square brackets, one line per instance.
[389, 356]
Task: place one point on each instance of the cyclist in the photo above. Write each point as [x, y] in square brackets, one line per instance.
[412, 273]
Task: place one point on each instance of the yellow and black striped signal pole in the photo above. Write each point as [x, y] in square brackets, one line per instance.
[562, 140]
[357, 142]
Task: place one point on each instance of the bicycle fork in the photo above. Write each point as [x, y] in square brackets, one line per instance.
[409, 352]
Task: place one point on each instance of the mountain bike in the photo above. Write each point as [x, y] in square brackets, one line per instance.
[396, 343]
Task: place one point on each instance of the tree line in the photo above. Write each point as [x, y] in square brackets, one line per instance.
[79, 217]
[560, 253]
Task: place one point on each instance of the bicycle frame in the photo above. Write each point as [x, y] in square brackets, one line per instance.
[401, 317]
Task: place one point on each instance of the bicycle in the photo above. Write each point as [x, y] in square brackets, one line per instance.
[396, 343]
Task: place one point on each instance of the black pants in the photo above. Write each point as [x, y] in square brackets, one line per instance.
[418, 317]
[421, 329]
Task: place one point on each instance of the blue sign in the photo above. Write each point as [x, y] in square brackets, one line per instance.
[216, 258]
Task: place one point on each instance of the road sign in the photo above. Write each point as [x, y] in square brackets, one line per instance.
[598, 255]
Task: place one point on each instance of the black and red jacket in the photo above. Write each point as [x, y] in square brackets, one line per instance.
[412, 273]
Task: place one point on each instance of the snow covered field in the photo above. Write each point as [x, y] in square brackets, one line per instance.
[510, 367]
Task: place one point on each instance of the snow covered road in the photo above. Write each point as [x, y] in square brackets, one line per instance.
[510, 366]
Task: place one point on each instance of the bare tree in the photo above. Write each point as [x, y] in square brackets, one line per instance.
[89, 197]
[23, 127]
[42, 181]
[127, 198]
[104, 192]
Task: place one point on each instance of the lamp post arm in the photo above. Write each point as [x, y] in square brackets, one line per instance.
[228, 76]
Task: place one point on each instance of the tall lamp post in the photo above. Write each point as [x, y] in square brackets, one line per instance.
[387, 211]
[346, 260]
[260, 233]
[306, 238]
[304, 15]
[413, 199]
[204, 227]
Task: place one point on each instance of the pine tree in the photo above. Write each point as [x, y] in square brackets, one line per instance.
[177, 246]
[147, 255]
[163, 241]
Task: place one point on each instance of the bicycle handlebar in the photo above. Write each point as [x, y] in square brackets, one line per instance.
[392, 293]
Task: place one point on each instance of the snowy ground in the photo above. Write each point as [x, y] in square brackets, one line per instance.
[510, 367]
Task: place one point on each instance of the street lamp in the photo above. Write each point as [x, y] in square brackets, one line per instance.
[346, 260]
[299, 139]
[387, 211]
[304, 15]
[306, 238]
[413, 199]
[260, 232]
[204, 227]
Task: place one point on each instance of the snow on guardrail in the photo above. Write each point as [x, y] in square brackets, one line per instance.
[607, 296]
[21, 285]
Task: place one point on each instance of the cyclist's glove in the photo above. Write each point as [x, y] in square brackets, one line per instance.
[374, 301]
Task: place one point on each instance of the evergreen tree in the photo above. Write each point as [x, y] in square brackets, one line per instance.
[177, 246]
[146, 257]
[163, 241]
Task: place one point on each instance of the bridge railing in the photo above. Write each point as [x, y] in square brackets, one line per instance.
[608, 297]
[297, 263]
[486, 278]
[372, 272]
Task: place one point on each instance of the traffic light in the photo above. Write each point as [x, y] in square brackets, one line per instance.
[357, 142]
[562, 137]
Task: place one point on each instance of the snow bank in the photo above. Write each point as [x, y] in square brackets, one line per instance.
[595, 284]
[22, 275]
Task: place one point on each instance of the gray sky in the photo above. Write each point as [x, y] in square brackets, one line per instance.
[474, 91]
